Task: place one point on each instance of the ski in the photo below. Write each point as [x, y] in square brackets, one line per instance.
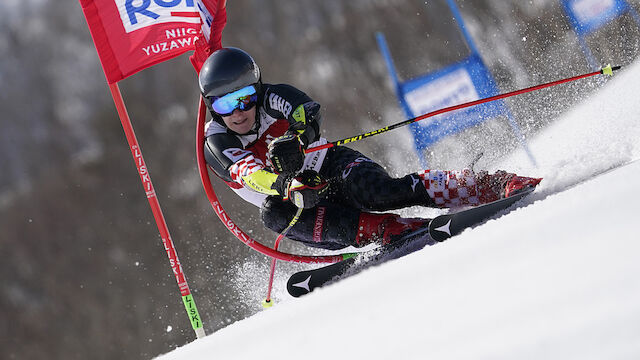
[445, 226]
[440, 228]
[303, 282]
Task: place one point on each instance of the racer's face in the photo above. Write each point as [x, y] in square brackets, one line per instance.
[241, 121]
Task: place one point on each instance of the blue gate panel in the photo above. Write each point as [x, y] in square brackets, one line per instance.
[455, 84]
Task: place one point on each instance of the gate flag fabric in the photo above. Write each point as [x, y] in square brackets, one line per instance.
[214, 18]
[131, 35]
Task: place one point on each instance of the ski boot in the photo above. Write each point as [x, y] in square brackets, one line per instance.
[518, 184]
[503, 184]
[462, 188]
[384, 229]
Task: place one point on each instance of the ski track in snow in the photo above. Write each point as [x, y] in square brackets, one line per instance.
[556, 279]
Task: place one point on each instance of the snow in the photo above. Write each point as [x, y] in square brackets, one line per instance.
[556, 279]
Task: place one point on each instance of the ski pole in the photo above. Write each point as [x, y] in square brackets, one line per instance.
[607, 70]
[266, 303]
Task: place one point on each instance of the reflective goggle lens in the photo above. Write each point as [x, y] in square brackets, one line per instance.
[243, 99]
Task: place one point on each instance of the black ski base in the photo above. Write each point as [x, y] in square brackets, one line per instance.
[440, 228]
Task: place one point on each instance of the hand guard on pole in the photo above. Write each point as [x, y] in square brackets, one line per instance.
[286, 154]
[304, 190]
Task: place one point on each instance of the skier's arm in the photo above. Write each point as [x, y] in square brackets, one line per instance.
[303, 114]
[225, 155]
[259, 180]
[287, 152]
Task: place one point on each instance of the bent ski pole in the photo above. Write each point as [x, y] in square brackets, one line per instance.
[266, 303]
[607, 70]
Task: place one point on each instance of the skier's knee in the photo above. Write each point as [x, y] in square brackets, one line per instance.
[388, 193]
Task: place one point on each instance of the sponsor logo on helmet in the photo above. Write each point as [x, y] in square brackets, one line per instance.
[138, 14]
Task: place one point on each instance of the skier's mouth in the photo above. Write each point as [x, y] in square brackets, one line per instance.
[240, 122]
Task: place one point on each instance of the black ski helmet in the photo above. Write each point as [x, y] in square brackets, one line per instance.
[226, 70]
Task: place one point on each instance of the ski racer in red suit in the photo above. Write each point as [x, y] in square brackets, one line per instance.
[255, 143]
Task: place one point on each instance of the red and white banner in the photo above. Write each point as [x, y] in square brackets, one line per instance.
[131, 35]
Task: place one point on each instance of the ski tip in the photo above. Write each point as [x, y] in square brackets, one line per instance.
[298, 284]
[608, 70]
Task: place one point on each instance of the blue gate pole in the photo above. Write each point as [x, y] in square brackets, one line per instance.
[474, 51]
[386, 54]
[634, 15]
[586, 50]
[467, 37]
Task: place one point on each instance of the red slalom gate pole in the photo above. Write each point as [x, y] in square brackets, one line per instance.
[145, 178]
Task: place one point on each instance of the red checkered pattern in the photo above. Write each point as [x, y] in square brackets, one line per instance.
[451, 188]
[245, 167]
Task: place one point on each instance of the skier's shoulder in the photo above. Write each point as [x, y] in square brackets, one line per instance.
[217, 137]
[282, 90]
[221, 148]
[281, 99]
[214, 127]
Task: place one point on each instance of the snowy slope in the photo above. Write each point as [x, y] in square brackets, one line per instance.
[557, 279]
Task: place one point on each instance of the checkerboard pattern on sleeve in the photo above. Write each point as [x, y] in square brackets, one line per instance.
[245, 167]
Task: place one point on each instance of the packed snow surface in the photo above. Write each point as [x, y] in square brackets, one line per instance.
[555, 279]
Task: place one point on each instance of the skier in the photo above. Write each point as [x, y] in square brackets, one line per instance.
[256, 140]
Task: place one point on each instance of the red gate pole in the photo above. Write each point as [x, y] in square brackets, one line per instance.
[145, 178]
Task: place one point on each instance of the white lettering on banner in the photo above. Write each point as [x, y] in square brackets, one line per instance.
[138, 14]
[168, 45]
[590, 10]
[450, 89]
[182, 32]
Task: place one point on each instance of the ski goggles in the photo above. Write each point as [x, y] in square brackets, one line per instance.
[243, 99]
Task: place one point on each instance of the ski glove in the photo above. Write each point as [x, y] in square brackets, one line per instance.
[304, 190]
[305, 122]
[286, 154]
